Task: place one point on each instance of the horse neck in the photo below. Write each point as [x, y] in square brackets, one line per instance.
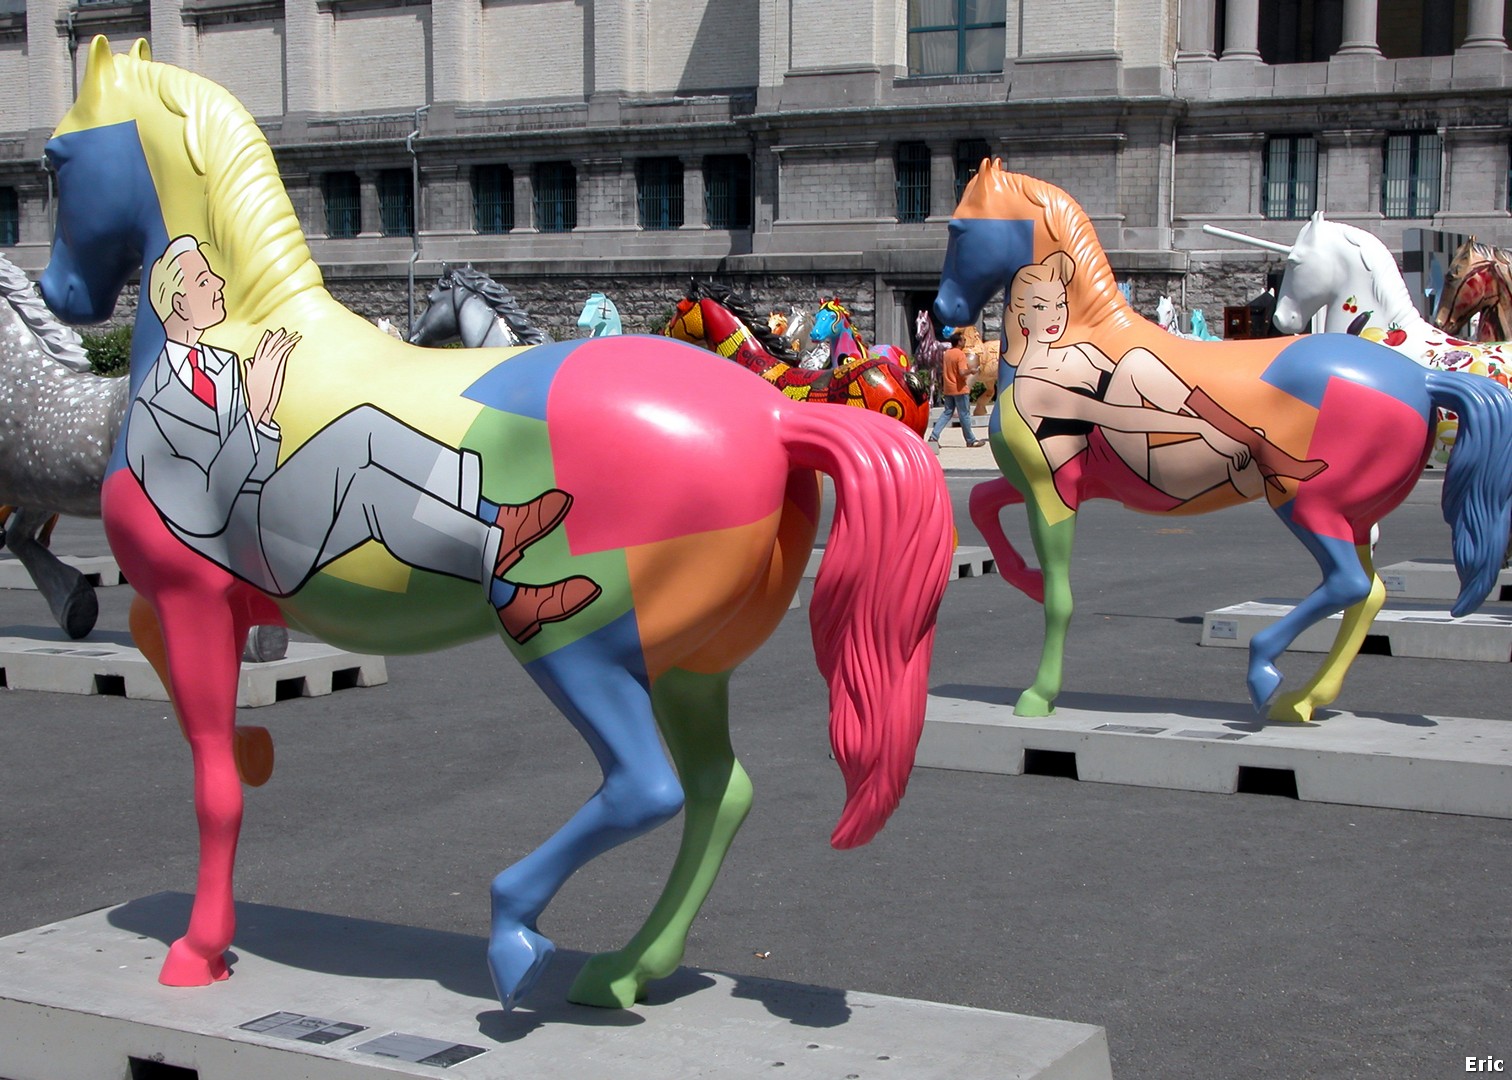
[1380, 283]
[731, 338]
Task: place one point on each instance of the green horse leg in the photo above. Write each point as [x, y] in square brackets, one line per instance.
[1052, 544]
[693, 712]
[1323, 688]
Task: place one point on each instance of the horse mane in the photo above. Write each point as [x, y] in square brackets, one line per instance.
[1385, 278]
[252, 224]
[1098, 303]
[499, 298]
[57, 341]
[742, 307]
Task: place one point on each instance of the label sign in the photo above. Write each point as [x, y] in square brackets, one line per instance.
[420, 1050]
[297, 1026]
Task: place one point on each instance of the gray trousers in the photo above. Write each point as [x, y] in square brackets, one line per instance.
[367, 476]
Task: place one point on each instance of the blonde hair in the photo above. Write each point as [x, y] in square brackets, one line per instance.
[1056, 266]
[166, 279]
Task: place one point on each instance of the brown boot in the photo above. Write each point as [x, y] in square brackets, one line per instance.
[1271, 460]
[533, 606]
[526, 523]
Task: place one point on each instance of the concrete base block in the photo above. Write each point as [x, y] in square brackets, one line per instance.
[321, 997]
[100, 570]
[1403, 628]
[109, 664]
[968, 562]
[1436, 763]
[1434, 579]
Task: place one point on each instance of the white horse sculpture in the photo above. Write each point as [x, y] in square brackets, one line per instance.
[1349, 275]
[1168, 320]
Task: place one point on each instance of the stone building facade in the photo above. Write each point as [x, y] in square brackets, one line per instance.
[805, 148]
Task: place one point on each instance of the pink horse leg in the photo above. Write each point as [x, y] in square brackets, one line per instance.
[204, 614]
[987, 501]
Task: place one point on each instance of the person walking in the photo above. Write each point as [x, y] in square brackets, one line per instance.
[957, 369]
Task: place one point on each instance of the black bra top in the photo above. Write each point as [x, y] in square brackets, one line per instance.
[1063, 425]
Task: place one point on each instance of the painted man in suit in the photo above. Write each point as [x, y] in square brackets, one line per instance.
[202, 440]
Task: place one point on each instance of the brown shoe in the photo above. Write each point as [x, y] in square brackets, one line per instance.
[533, 606]
[526, 523]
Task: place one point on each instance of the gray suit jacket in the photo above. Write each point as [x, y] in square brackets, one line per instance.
[203, 468]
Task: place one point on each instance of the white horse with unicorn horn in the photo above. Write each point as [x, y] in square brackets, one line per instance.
[1349, 278]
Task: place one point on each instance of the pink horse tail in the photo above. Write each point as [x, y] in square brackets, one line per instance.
[987, 501]
[879, 587]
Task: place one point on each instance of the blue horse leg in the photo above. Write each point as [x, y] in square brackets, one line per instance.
[1345, 583]
[610, 705]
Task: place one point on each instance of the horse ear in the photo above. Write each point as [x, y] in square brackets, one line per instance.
[99, 67]
[140, 50]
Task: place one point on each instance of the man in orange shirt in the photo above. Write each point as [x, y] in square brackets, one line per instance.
[957, 392]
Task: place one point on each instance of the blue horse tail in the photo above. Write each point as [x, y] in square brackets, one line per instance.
[1478, 483]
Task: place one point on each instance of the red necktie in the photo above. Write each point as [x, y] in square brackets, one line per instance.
[203, 388]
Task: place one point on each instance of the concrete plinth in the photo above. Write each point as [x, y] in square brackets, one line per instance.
[108, 663]
[1403, 628]
[966, 562]
[1434, 579]
[321, 997]
[100, 571]
[1444, 764]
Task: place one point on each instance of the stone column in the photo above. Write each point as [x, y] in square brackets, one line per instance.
[1195, 34]
[524, 198]
[1360, 37]
[48, 69]
[1487, 26]
[170, 39]
[606, 194]
[693, 193]
[1241, 39]
[372, 217]
[456, 31]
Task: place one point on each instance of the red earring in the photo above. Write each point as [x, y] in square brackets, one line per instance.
[1024, 330]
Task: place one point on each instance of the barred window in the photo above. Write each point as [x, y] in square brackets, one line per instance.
[343, 204]
[396, 202]
[659, 192]
[555, 196]
[727, 191]
[968, 159]
[1290, 183]
[493, 199]
[1410, 180]
[10, 217]
[956, 37]
[913, 181]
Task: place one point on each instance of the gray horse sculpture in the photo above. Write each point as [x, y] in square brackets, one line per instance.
[469, 306]
[58, 423]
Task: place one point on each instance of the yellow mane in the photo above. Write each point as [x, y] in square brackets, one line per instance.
[252, 223]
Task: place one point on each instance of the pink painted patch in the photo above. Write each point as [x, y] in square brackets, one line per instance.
[656, 439]
[1375, 447]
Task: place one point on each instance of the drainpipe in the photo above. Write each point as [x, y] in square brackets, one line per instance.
[409, 145]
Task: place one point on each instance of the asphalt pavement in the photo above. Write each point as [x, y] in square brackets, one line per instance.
[1211, 935]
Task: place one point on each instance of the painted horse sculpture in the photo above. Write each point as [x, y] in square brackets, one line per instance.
[1477, 282]
[717, 319]
[833, 327]
[1349, 275]
[600, 317]
[1101, 403]
[467, 305]
[61, 421]
[340, 481]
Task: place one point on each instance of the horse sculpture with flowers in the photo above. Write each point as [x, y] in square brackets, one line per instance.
[720, 320]
[1100, 403]
[283, 459]
[1349, 276]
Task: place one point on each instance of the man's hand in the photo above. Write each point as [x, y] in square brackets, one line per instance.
[265, 373]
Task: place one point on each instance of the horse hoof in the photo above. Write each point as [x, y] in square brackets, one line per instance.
[516, 959]
[1291, 709]
[604, 984]
[1264, 680]
[1033, 703]
[185, 967]
[80, 610]
[254, 755]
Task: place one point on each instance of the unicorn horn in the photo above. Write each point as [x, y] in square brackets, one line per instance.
[1253, 241]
